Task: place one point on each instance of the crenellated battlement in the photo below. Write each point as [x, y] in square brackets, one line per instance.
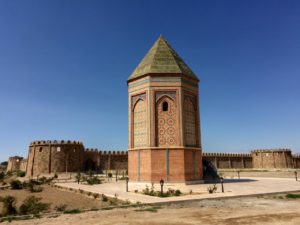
[209, 154]
[271, 150]
[49, 156]
[55, 142]
[101, 152]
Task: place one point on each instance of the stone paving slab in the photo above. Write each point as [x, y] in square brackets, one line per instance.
[232, 187]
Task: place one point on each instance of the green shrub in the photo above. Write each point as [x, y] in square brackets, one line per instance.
[151, 192]
[2, 175]
[16, 184]
[177, 192]
[148, 209]
[212, 189]
[43, 180]
[110, 175]
[33, 186]
[113, 201]
[5, 163]
[61, 207]
[293, 196]
[72, 211]
[104, 198]
[95, 195]
[93, 180]
[8, 174]
[21, 173]
[78, 177]
[9, 205]
[32, 205]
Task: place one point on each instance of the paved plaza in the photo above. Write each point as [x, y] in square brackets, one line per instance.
[232, 188]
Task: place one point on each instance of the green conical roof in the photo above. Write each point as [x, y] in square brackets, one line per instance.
[162, 58]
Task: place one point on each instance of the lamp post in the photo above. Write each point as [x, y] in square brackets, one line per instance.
[222, 181]
[296, 175]
[127, 180]
[161, 186]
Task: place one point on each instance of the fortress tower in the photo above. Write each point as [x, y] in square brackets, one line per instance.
[164, 123]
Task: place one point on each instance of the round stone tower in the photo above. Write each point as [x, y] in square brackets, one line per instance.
[164, 122]
[46, 157]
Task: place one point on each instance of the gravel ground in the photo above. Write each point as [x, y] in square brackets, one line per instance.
[268, 210]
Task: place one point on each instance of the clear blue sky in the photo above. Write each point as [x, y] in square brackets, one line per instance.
[64, 66]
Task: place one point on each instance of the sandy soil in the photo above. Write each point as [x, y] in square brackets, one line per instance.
[246, 211]
[55, 197]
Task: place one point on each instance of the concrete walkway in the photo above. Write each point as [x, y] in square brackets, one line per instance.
[232, 187]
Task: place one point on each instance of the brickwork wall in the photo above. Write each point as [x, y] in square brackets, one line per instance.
[272, 158]
[167, 122]
[140, 124]
[190, 119]
[229, 161]
[105, 160]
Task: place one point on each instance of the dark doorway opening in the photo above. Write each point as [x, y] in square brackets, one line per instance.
[89, 165]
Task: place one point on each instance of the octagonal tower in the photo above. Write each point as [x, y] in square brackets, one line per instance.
[164, 122]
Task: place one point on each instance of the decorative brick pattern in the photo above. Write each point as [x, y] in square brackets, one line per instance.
[139, 124]
[166, 121]
[190, 121]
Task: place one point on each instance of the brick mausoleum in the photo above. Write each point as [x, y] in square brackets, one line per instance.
[164, 129]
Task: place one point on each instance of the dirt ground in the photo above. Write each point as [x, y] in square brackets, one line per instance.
[56, 197]
[270, 210]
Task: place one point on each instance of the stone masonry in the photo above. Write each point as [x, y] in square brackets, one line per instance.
[99, 161]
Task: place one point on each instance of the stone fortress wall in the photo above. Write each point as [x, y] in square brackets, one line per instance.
[296, 161]
[96, 160]
[257, 159]
[54, 156]
[229, 160]
[46, 157]
[14, 163]
[278, 158]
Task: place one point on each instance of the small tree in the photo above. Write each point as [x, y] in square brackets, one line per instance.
[16, 184]
[9, 205]
[78, 177]
[21, 173]
[5, 163]
[32, 205]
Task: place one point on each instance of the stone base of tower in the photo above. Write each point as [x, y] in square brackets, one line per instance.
[174, 165]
